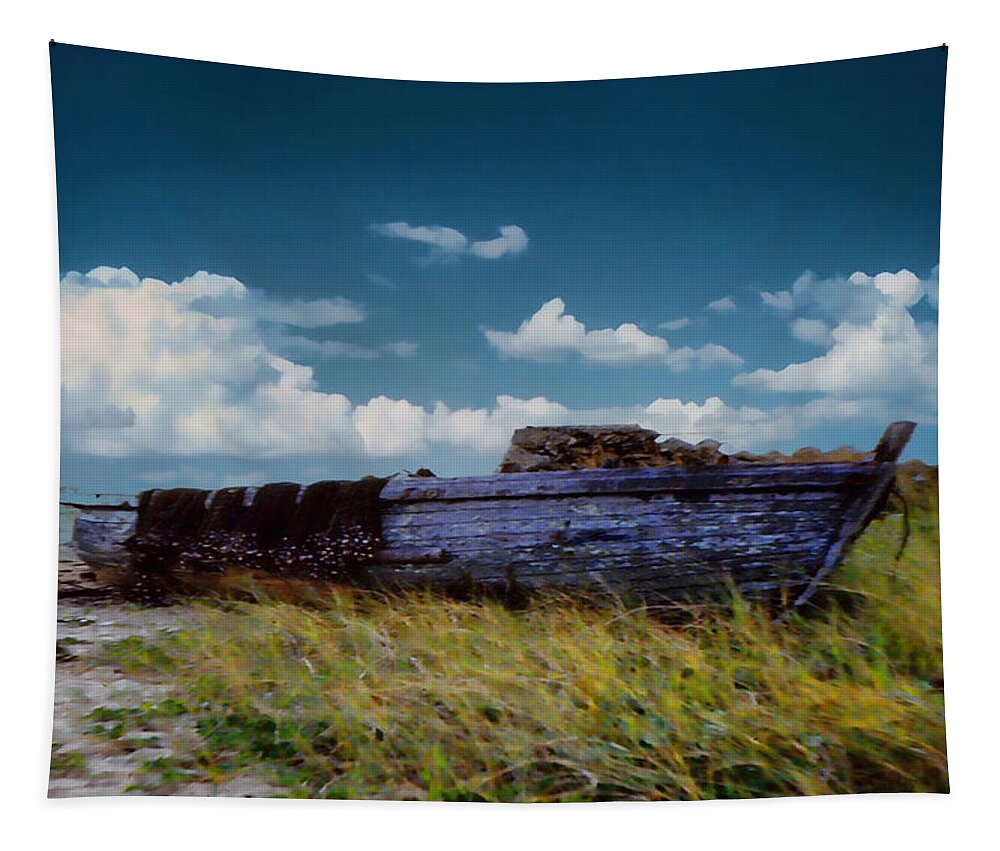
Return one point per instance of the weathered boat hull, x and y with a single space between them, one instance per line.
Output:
665 531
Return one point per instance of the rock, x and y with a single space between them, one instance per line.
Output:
546 448
675 444
518 460
680 453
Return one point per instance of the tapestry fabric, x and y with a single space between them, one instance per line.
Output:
534 442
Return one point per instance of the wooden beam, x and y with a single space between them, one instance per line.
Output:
894 440
635 481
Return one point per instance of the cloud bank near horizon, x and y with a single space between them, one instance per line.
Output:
188 369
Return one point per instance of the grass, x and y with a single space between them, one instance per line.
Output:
571 699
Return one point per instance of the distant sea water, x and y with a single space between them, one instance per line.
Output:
66 517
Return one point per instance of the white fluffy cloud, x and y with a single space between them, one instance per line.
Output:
319 313
183 368
448 244
104 276
875 349
144 371
391 427
814 331
446 239
396 427
857 298
675 324
221 296
551 334
512 240
890 357
902 288
290 343
723 305
781 300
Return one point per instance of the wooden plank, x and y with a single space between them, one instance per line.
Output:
470 526
633 576
694 550
555 530
535 533
681 562
413 555
613 503
474 522
399 515
716 547
649 480
654 566
894 440
476 570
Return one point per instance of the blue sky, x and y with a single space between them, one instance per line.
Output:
319 277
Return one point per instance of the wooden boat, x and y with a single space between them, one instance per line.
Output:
673 532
